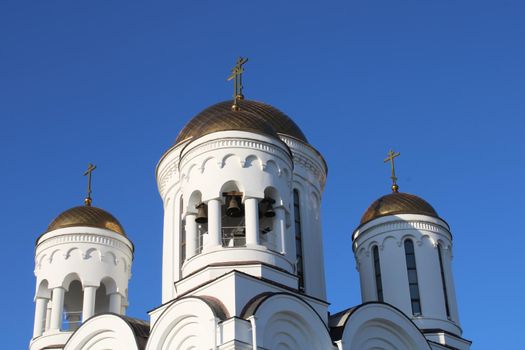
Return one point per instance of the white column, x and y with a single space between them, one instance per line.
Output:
191 235
124 305
214 223
115 303
251 208
48 316
88 304
279 228
40 316
57 308
168 251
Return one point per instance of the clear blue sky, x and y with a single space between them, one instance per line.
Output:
112 82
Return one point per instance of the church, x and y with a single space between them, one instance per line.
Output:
242 255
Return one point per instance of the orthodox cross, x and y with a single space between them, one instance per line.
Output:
390 158
87 173
236 76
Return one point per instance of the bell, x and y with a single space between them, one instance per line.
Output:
267 207
202 216
269 213
234 210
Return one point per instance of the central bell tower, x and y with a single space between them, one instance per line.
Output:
241 190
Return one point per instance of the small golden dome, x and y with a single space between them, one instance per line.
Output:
86 216
252 116
398 203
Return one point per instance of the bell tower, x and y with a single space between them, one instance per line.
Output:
82 268
403 251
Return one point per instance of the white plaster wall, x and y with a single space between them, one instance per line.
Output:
309 177
101 333
254 162
92 256
90 253
168 182
379 326
389 234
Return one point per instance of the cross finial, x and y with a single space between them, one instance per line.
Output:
390 158
236 76
87 173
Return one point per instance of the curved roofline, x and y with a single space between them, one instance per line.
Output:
251 307
126 319
216 306
360 306
265 116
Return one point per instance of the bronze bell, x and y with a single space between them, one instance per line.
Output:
234 210
202 216
267 207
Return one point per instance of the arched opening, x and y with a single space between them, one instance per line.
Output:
196 225
270 225
73 300
102 299
233 231
42 308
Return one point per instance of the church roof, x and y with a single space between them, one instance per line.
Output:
140 330
252 116
86 216
397 203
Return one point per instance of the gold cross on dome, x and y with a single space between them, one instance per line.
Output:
390 158
87 173
236 76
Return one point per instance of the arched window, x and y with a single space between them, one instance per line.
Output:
444 284
412 277
298 239
377 271
182 235
73 300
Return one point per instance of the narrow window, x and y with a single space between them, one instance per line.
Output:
182 236
377 270
443 280
412 277
298 240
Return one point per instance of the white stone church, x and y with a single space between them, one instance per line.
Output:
243 264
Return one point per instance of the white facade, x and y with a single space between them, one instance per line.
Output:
243 264
80 272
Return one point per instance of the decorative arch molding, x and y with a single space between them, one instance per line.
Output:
68 253
168 173
424 227
380 326
182 324
409 230
107 331
213 163
79 237
285 321
229 143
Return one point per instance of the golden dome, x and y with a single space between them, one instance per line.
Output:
398 203
253 116
86 216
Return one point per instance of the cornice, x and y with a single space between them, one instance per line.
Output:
235 143
308 158
84 238
398 226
